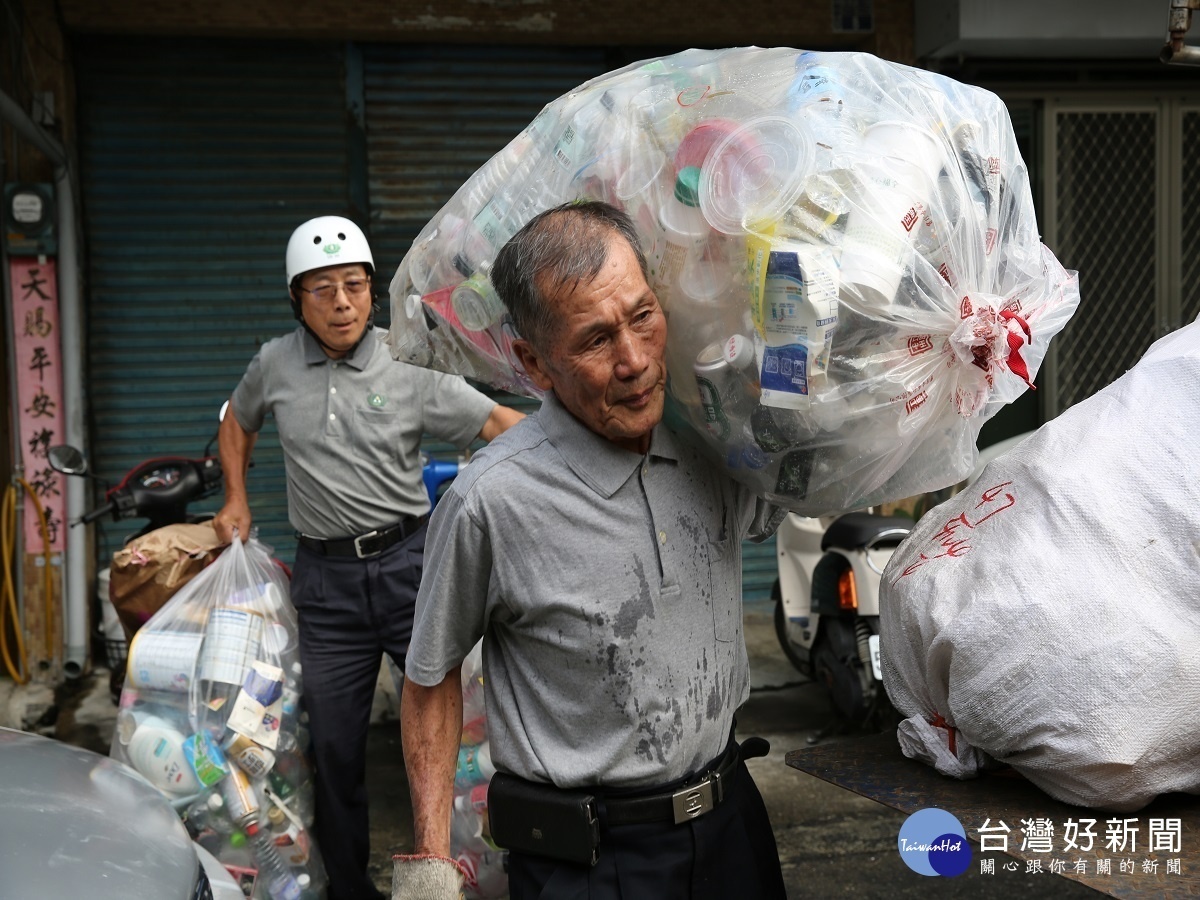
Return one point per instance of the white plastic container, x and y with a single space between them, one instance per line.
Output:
163 660
156 751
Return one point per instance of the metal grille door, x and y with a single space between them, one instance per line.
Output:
1103 207
1189 259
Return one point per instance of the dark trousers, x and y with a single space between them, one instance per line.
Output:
727 853
350 612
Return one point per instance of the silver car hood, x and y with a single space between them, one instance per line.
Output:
77 824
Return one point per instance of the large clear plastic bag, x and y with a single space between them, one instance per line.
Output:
845 247
484 865
211 715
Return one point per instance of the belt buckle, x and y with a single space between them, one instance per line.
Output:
358 547
693 800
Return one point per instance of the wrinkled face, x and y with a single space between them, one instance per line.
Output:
605 356
340 318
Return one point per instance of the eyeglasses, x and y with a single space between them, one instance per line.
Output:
325 293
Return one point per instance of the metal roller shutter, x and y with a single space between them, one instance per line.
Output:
199 158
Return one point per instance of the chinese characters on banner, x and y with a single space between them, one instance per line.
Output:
39 393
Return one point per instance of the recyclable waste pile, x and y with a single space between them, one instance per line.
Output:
484 865
845 248
210 714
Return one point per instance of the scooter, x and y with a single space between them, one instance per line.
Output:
827 610
160 490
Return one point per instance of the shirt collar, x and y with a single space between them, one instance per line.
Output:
597 461
315 355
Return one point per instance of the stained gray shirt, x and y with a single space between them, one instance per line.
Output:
607 587
351 429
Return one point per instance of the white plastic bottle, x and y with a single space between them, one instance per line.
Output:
156 751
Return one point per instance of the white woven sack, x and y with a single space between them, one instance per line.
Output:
1049 616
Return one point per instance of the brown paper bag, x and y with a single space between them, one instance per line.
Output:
151 568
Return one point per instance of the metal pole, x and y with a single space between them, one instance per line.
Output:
18 470
1179 19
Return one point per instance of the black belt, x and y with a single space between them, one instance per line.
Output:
365 545
694 798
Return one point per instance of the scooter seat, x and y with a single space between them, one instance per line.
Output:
855 530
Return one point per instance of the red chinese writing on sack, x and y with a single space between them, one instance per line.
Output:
953 539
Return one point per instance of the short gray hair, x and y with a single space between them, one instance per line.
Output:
558 249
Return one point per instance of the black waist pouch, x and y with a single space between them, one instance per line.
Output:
543 820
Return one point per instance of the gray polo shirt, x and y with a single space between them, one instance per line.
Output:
607 586
351 429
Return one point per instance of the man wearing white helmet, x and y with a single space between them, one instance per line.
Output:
350 422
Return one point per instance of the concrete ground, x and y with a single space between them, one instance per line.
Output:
832 843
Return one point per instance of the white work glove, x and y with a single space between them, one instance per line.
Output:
426 878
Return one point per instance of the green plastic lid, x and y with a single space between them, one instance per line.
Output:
687 186
237 839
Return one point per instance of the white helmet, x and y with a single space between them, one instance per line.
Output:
327 241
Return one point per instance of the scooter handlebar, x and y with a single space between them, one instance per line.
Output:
98 513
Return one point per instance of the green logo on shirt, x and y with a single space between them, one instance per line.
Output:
376 400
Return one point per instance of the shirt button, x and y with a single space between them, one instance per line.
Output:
332 417
645 471
333 390
662 537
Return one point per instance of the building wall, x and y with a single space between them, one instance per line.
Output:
804 24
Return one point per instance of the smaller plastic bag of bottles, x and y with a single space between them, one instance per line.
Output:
484 865
211 715
845 248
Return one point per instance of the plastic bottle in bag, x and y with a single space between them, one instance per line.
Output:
474 766
290 839
486 871
474 708
726 376
273 872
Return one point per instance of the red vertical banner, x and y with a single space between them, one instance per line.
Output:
39 392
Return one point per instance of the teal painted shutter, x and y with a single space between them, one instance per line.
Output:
198 159
435 115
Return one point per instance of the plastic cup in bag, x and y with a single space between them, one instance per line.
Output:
878 246
906 144
755 174
656 111
640 189
898 181
685 230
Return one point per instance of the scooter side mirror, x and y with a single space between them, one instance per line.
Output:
67 459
